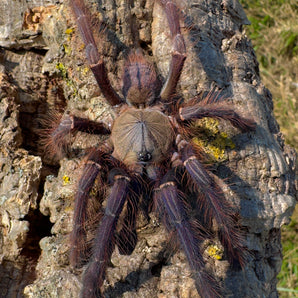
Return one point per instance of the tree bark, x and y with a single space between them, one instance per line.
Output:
42 68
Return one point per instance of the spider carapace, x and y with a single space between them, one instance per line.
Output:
149 142
142 137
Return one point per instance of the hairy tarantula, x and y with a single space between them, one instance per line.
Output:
149 144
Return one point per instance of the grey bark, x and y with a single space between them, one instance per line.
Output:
42 67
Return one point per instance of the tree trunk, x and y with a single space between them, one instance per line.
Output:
42 68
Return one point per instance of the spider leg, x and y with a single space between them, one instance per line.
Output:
86 125
127 236
97 64
60 128
90 172
170 203
214 204
104 242
179 50
214 110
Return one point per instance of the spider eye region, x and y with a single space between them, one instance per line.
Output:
144 156
141 136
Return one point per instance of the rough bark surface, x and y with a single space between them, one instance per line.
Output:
42 66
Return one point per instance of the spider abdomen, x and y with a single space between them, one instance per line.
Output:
140 81
142 135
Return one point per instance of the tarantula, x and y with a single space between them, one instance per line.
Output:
149 143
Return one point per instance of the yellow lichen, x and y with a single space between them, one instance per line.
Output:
85 70
66 180
62 69
211 139
67 49
69 30
215 252
69 82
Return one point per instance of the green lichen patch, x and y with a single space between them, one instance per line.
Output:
67 49
213 141
63 72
